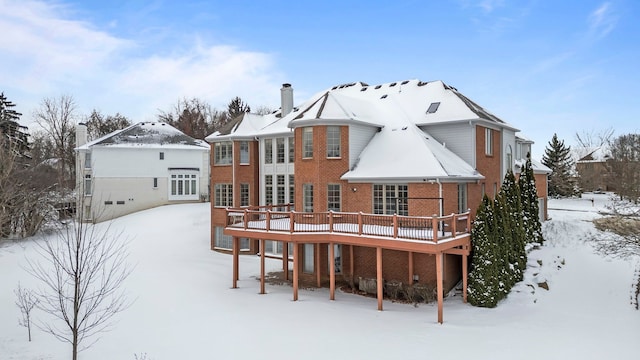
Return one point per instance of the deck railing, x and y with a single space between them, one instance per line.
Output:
428 228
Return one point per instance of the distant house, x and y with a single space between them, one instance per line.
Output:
142 166
592 169
362 183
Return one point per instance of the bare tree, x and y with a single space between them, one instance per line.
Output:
99 125
24 204
194 117
82 270
26 301
624 166
263 110
57 117
593 139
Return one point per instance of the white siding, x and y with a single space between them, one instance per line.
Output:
275 169
458 137
125 177
508 139
141 162
359 137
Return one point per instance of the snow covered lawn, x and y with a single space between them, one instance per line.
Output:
185 309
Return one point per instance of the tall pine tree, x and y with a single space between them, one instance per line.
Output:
483 287
517 256
557 157
503 243
12 135
529 199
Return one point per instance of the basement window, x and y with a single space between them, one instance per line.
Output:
433 107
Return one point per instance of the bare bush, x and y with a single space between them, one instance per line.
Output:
26 301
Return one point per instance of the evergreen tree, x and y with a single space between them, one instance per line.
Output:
557 157
529 199
237 107
518 256
12 135
483 283
503 244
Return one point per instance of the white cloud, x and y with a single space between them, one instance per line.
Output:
489 5
47 54
602 21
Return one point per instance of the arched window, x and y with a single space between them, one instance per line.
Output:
509 158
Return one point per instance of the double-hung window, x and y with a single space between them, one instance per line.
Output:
87 184
307 142
280 150
291 189
222 153
333 197
223 195
244 152
462 197
488 141
333 141
268 189
291 150
307 197
268 151
87 160
244 194
280 190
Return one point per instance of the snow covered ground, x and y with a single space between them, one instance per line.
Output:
185 309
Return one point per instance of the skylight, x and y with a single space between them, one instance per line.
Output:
433 107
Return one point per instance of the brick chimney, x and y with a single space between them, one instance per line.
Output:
286 99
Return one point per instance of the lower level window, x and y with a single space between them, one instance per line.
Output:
223 241
276 248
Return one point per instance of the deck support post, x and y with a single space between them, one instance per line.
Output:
465 276
296 255
316 259
440 290
352 266
410 266
236 252
262 266
379 276
285 259
332 272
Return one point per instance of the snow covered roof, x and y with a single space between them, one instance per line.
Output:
400 149
592 154
423 103
538 167
147 134
407 153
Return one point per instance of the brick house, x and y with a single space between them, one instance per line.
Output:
593 170
396 157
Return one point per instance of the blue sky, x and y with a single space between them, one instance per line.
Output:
544 66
